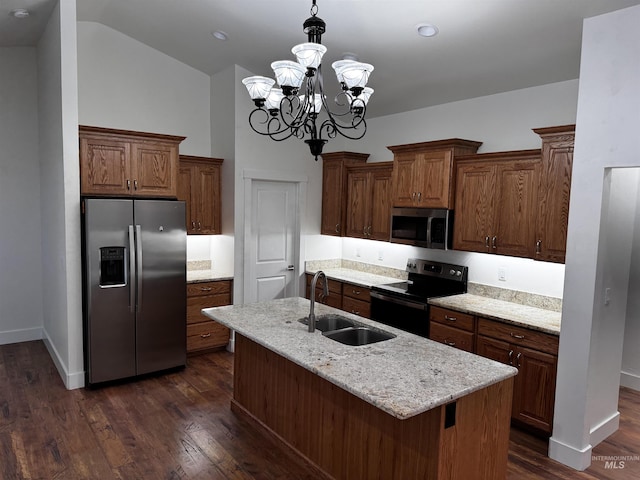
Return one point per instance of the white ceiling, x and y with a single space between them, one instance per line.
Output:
484 46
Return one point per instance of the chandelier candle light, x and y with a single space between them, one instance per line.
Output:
293 108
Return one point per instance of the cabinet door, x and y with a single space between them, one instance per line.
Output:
494 349
184 193
515 208
154 169
454 337
553 201
535 388
380 209
105 166
332 202
404 189
208 200
433 179
474 207
359 198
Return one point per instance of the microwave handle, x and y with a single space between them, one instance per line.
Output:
430 219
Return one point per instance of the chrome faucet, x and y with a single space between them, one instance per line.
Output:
325 293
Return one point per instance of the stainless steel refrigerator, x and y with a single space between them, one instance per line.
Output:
134 293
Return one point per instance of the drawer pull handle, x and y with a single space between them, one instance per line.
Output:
356 292
451 319
205 289
515 335
355 312
451 344
205 335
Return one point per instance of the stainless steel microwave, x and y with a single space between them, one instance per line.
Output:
422 227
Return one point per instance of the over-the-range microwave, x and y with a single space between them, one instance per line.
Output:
422 227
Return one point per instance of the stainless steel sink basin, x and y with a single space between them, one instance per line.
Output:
356 336
329 322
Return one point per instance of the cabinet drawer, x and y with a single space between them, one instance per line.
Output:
452 318
357 307
195 304
453 337
209 288
335 287
207 334
357 292
534 339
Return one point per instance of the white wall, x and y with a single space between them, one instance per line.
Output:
606 136
60 193
630 376
20 258
125 84
502 122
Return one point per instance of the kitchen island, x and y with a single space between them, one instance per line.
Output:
401 408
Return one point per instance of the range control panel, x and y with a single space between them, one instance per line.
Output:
437 269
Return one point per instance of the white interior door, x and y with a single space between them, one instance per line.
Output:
272 241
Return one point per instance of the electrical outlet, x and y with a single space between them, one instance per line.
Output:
502 274
358 252
380 255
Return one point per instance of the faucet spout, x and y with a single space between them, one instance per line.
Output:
325 294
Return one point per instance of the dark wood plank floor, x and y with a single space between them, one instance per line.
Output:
179 426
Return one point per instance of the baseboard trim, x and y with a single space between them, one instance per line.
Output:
630 380
578 459
71 380
19 336
604 429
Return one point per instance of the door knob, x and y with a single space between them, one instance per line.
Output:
291 267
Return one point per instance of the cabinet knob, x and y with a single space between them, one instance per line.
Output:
515 335
337 228
510 357
538 247
135 184
419 196
486 241
518 359
494 242
128 184
451 319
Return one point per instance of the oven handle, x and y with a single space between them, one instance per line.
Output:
406 303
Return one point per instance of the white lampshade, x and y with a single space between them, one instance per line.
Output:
309 55
355 74
288 73
258 87
273 99
362 99
337 66
316 107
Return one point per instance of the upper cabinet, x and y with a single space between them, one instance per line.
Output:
555 186
423 173
369 201
125 163
497 202
199 187
334 190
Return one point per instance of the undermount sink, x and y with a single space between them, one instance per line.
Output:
329 322
356 336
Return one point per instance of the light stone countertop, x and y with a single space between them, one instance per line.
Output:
198 276
356 277
403 376
534 318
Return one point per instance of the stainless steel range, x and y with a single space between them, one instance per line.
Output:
405 305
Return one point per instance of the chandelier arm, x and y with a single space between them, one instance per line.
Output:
278 133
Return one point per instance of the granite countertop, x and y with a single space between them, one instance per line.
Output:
534 318
356 277
199 276
404 376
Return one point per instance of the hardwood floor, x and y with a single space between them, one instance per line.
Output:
179 426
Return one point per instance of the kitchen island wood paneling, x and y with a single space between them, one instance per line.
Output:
402 408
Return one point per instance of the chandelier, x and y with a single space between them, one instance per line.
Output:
293 109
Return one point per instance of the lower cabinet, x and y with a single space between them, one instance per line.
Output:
345 296
203 333
533 353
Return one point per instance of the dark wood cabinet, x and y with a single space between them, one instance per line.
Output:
535 355
346 296
199 187
497 202
124 163
334 190
423 173
554 192
203 333
368 201
452 328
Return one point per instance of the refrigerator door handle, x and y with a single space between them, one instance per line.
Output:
139 267
132 271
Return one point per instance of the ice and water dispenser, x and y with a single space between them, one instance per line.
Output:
112 267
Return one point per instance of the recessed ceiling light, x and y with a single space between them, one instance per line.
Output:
427 30
20 13
220 35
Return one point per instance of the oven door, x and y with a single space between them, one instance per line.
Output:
403 313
